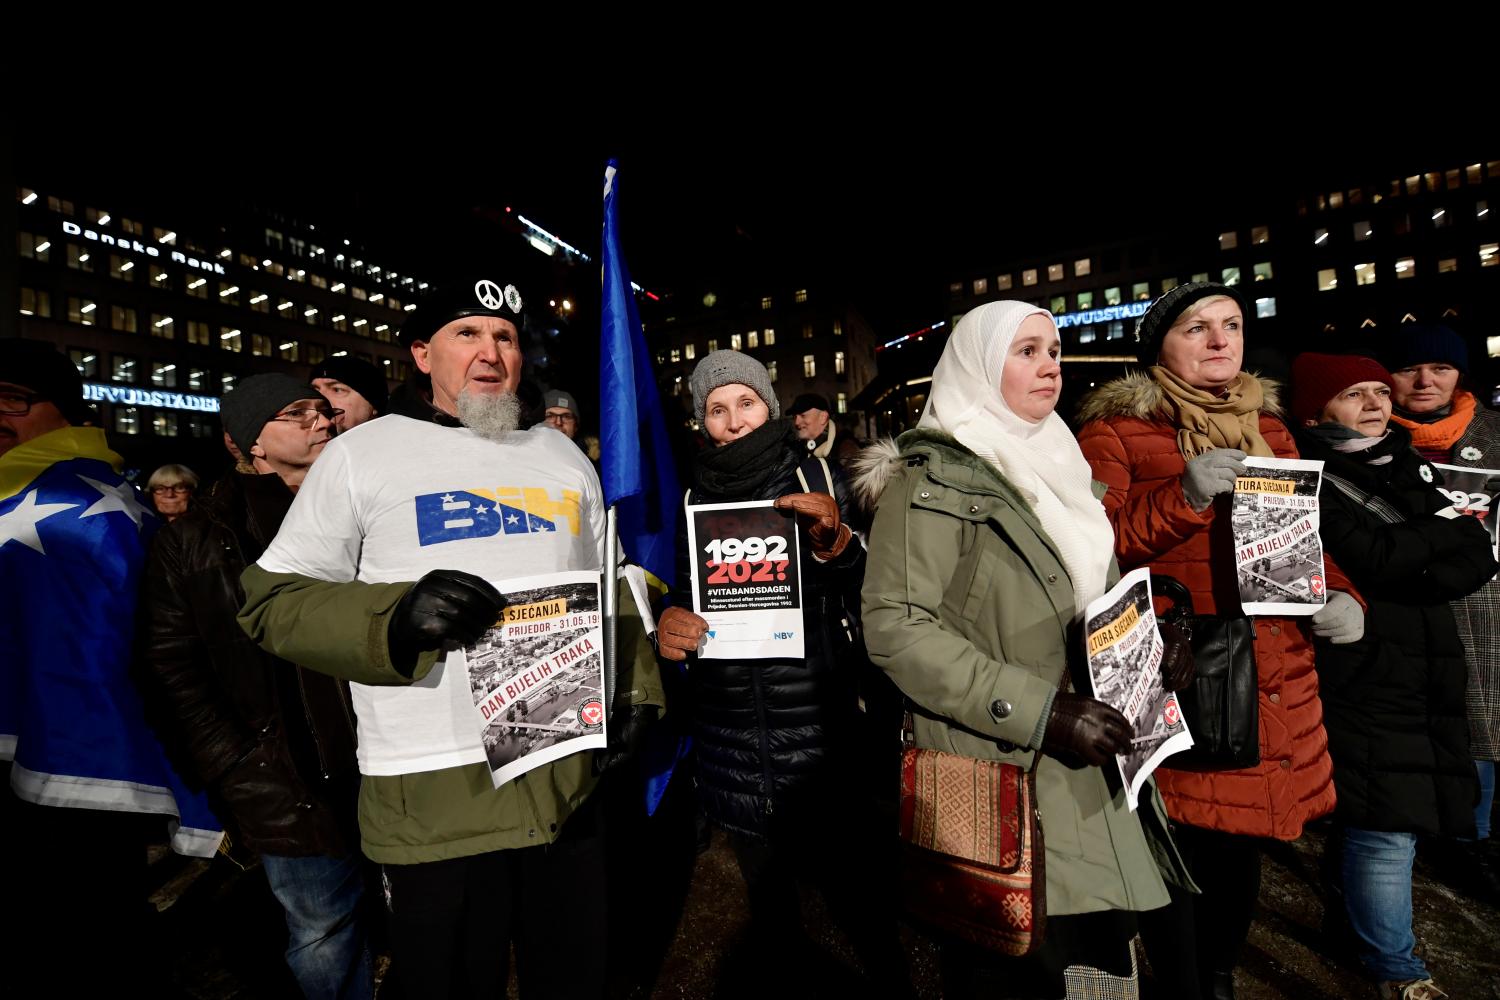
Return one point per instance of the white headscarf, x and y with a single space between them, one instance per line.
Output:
1042 460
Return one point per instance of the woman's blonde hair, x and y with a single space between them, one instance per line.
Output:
173 475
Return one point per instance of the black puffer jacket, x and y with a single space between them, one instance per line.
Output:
1393 703
274 744
769 733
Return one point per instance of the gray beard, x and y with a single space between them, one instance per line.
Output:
491 416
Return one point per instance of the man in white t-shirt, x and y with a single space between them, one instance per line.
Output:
447 492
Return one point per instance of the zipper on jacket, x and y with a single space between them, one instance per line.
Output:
312 727
765 748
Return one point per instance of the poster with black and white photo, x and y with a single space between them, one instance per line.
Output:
537 676
1124 657
1475 492
745 580
1278 553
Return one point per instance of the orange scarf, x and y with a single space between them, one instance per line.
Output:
1440 435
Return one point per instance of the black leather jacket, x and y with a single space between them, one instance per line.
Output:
273 743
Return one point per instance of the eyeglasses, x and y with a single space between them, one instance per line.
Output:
562 418
308 416
18 404
161 490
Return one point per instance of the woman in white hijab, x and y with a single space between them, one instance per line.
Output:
988 542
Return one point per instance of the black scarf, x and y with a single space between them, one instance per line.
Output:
1430 417
735 471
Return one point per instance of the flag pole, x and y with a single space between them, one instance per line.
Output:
610 598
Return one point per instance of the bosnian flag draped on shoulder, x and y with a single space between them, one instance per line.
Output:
639 479
73 536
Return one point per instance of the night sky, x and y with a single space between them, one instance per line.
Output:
889 206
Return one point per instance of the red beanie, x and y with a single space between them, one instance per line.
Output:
1317 378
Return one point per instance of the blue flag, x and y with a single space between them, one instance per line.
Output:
73 537
635 455
639 479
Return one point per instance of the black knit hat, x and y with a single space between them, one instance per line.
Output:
361 376
255 401
1158 319
1414 344
46 371
459 298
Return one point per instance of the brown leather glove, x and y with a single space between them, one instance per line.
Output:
1083 731
819 513
1176 658
678 633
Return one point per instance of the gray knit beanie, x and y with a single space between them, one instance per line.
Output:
728 368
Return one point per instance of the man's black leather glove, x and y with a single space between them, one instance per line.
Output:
627 731
1176 658
443 606
1084 731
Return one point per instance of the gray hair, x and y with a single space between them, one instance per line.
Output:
173 475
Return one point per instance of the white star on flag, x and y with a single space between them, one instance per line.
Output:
512 519
121 498
20 523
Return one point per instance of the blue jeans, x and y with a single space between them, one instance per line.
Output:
1486 769
327 948
1377 896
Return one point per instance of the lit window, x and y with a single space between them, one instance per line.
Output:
1260 234
1087 334
227 381
842 403
1406 267
1141 290
34 247
127 420
1200 277
734 342
122 268
340 322
1054 272
1472 171
36 302
1003 282
198 288
838 328
809 366
1481 210
310 316
82 311
359 293
690 351
675 356
1028 276
838 363
165 236
1492 346
232 340
86 361
752 339
1115 330
771 370
1082 267
1440 218
1328 279
1230 275
1336 199
768 339
1364 274
200 333
122 368
275 240
289 350
1363 231
1229 240
1265 308
1320 237
80 259
1447 265
807 331
197 378
1059 304
1167 284
163 373
955 288
122 318
1112 296
25 196
713 344
981 286
1489 254
1085 300
164 424
799 296
765 301
260 345
284 307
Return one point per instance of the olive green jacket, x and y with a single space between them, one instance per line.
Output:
340 629
968 607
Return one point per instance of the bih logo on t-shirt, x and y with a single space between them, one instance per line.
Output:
480 513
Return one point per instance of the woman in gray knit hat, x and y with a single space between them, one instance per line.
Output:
771 735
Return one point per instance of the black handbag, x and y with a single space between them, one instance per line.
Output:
1222 705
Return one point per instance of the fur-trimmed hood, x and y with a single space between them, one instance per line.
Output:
874 467
1141 396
